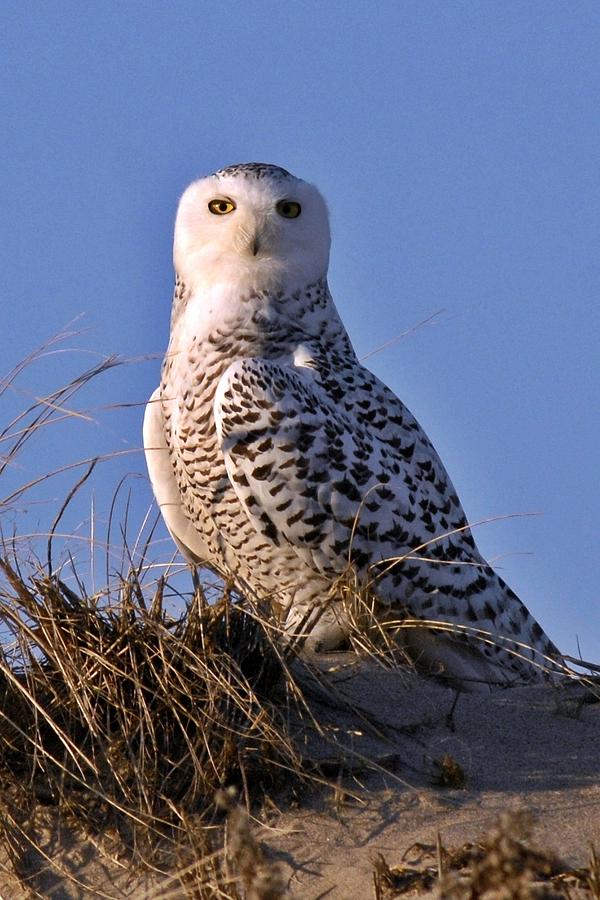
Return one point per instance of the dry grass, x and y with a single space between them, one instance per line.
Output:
129 725
503 865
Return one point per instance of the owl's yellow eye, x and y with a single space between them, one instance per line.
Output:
289 209
220 206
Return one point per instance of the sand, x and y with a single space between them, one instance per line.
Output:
534 748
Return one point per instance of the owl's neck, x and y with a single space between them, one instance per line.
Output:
285 315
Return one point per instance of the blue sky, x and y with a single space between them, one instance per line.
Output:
458 146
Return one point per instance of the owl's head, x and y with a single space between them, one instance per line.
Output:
254 226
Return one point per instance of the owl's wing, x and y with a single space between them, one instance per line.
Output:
165 487
340 490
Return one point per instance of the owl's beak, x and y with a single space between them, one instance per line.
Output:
250 237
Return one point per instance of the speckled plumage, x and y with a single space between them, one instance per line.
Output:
278 459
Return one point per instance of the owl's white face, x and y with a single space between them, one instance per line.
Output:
251 232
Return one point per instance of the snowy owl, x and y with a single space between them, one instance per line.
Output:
281 462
